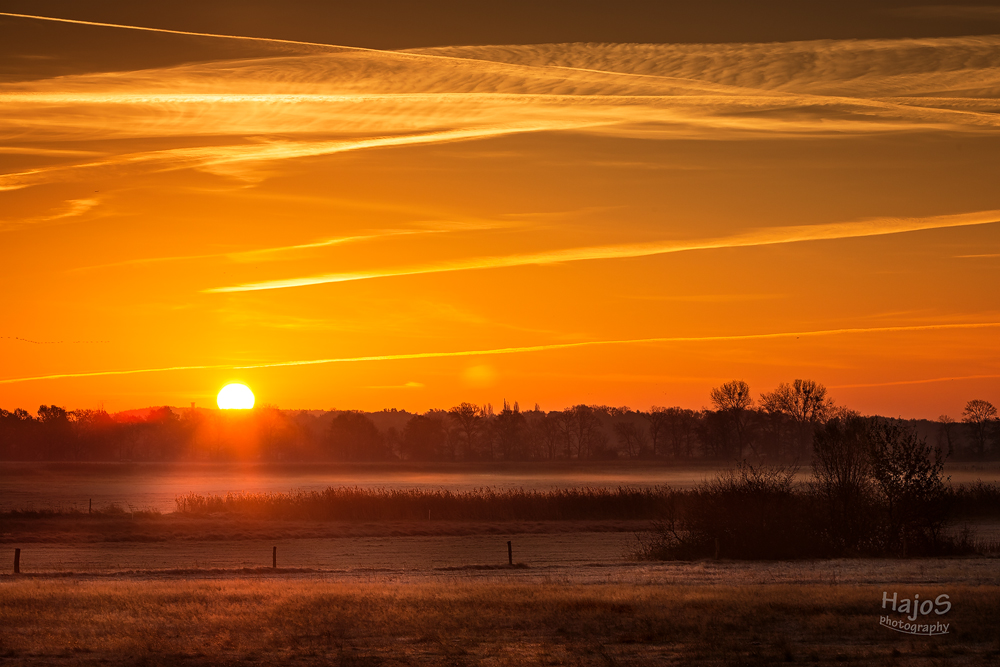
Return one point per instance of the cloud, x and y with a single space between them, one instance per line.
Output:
909 382
70 209
237 116
30 150
274 253
529 349
236 160
762 237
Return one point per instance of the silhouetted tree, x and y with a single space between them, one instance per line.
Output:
424 438
354 437
947 429
907 473
582 426
979 415
468 418
843 473
508 430
805 404
96 433
549 433
657 418
733 399
629 431
55 431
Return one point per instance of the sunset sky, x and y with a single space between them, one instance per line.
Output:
416 204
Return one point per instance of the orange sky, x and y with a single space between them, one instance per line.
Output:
624 224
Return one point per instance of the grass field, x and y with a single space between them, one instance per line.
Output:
272 621
367 578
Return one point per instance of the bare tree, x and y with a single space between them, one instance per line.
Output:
734 400
805 403
468 417
803 400
583 428
508 430
550 433
947 426
631 438
659 423
979 415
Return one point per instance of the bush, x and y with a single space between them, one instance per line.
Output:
749 512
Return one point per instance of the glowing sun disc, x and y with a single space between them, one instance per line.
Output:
235 397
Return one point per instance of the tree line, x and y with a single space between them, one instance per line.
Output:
776 426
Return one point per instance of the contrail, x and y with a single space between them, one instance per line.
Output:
219 156
526 349
128 372
767 236
180 32
904 382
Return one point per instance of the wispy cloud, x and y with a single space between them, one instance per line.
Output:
276 252
232 160
762 237
530 349
31 150
70 209
305 104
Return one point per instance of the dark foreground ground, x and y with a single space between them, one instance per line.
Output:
706 613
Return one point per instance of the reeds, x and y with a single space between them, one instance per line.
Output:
484 504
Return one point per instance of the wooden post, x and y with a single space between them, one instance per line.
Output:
274 558
510 554
17 561
90 506
717 548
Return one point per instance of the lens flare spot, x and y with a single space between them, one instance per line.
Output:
480 376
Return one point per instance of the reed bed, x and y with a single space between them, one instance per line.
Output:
491 504
484 504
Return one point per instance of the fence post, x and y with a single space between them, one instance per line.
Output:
90 506
274 558
510 554
17 561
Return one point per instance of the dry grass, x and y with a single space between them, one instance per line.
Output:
490 622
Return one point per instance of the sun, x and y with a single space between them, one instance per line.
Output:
235 397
